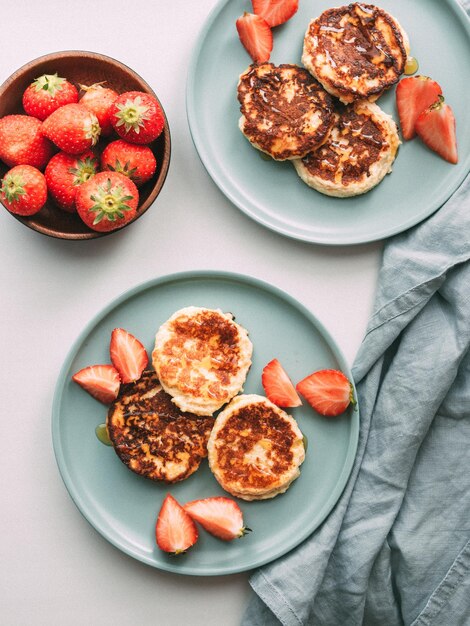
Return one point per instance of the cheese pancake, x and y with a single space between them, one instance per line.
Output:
285 112
255 448
202 358
358 154
355 51
152 436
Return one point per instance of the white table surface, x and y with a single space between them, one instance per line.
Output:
55 568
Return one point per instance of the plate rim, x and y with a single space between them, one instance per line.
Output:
293 233
75 494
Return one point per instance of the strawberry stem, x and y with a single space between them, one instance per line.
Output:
110 202
13 187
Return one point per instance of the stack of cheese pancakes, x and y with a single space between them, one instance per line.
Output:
324 118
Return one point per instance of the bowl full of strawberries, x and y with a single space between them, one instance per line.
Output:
84 145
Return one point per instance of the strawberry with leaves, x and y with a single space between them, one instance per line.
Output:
65 173
48 93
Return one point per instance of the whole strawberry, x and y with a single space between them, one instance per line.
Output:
65 173
46 94
22 142
137 162
98 100
24 190
137 117
107 201
73 128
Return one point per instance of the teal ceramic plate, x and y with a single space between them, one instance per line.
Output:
272 193
123 506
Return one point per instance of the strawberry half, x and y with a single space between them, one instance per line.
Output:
128 355
275 12
413 96
175 530
329 392
436 127
278 387
256 36
101 381
220 516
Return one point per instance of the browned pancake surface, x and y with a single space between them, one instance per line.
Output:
287 112
362 44
152 436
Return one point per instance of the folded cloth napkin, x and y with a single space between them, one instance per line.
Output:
396 548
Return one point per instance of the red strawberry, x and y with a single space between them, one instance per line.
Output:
256 36
220 516
413 95
98 100
436 127
73 128
24 190
137 117
175 531
128 355
275 12
101 381
22 142
65 173
107 201
48 93
137 162
278 386
329 392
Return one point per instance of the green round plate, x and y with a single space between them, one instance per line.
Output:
123 506
271 192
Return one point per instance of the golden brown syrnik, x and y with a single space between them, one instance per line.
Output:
359 152
285 112
202 358
255 448
152 436
355 51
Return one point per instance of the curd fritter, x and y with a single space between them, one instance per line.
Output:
285 112
359 152
152 436
202 358
355 51
255 448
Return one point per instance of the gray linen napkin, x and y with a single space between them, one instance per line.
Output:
396 548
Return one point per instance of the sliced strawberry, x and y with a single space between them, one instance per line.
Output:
128 355
275 12
175 530
436 127
256 36
328 391
414 95
220 516
101 381
278 387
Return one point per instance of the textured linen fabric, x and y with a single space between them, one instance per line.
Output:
395 550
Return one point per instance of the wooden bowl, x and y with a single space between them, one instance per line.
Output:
84 68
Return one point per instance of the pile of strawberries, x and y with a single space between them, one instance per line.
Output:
59 134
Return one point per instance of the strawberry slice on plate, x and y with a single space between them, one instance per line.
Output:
436 127
220 516
101 381
278 387
275 12
128 355
256 36
413 96
329 392
175 530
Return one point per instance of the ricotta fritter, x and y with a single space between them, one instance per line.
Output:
285 112
152 436
255 448
202 358
355 51
358 154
